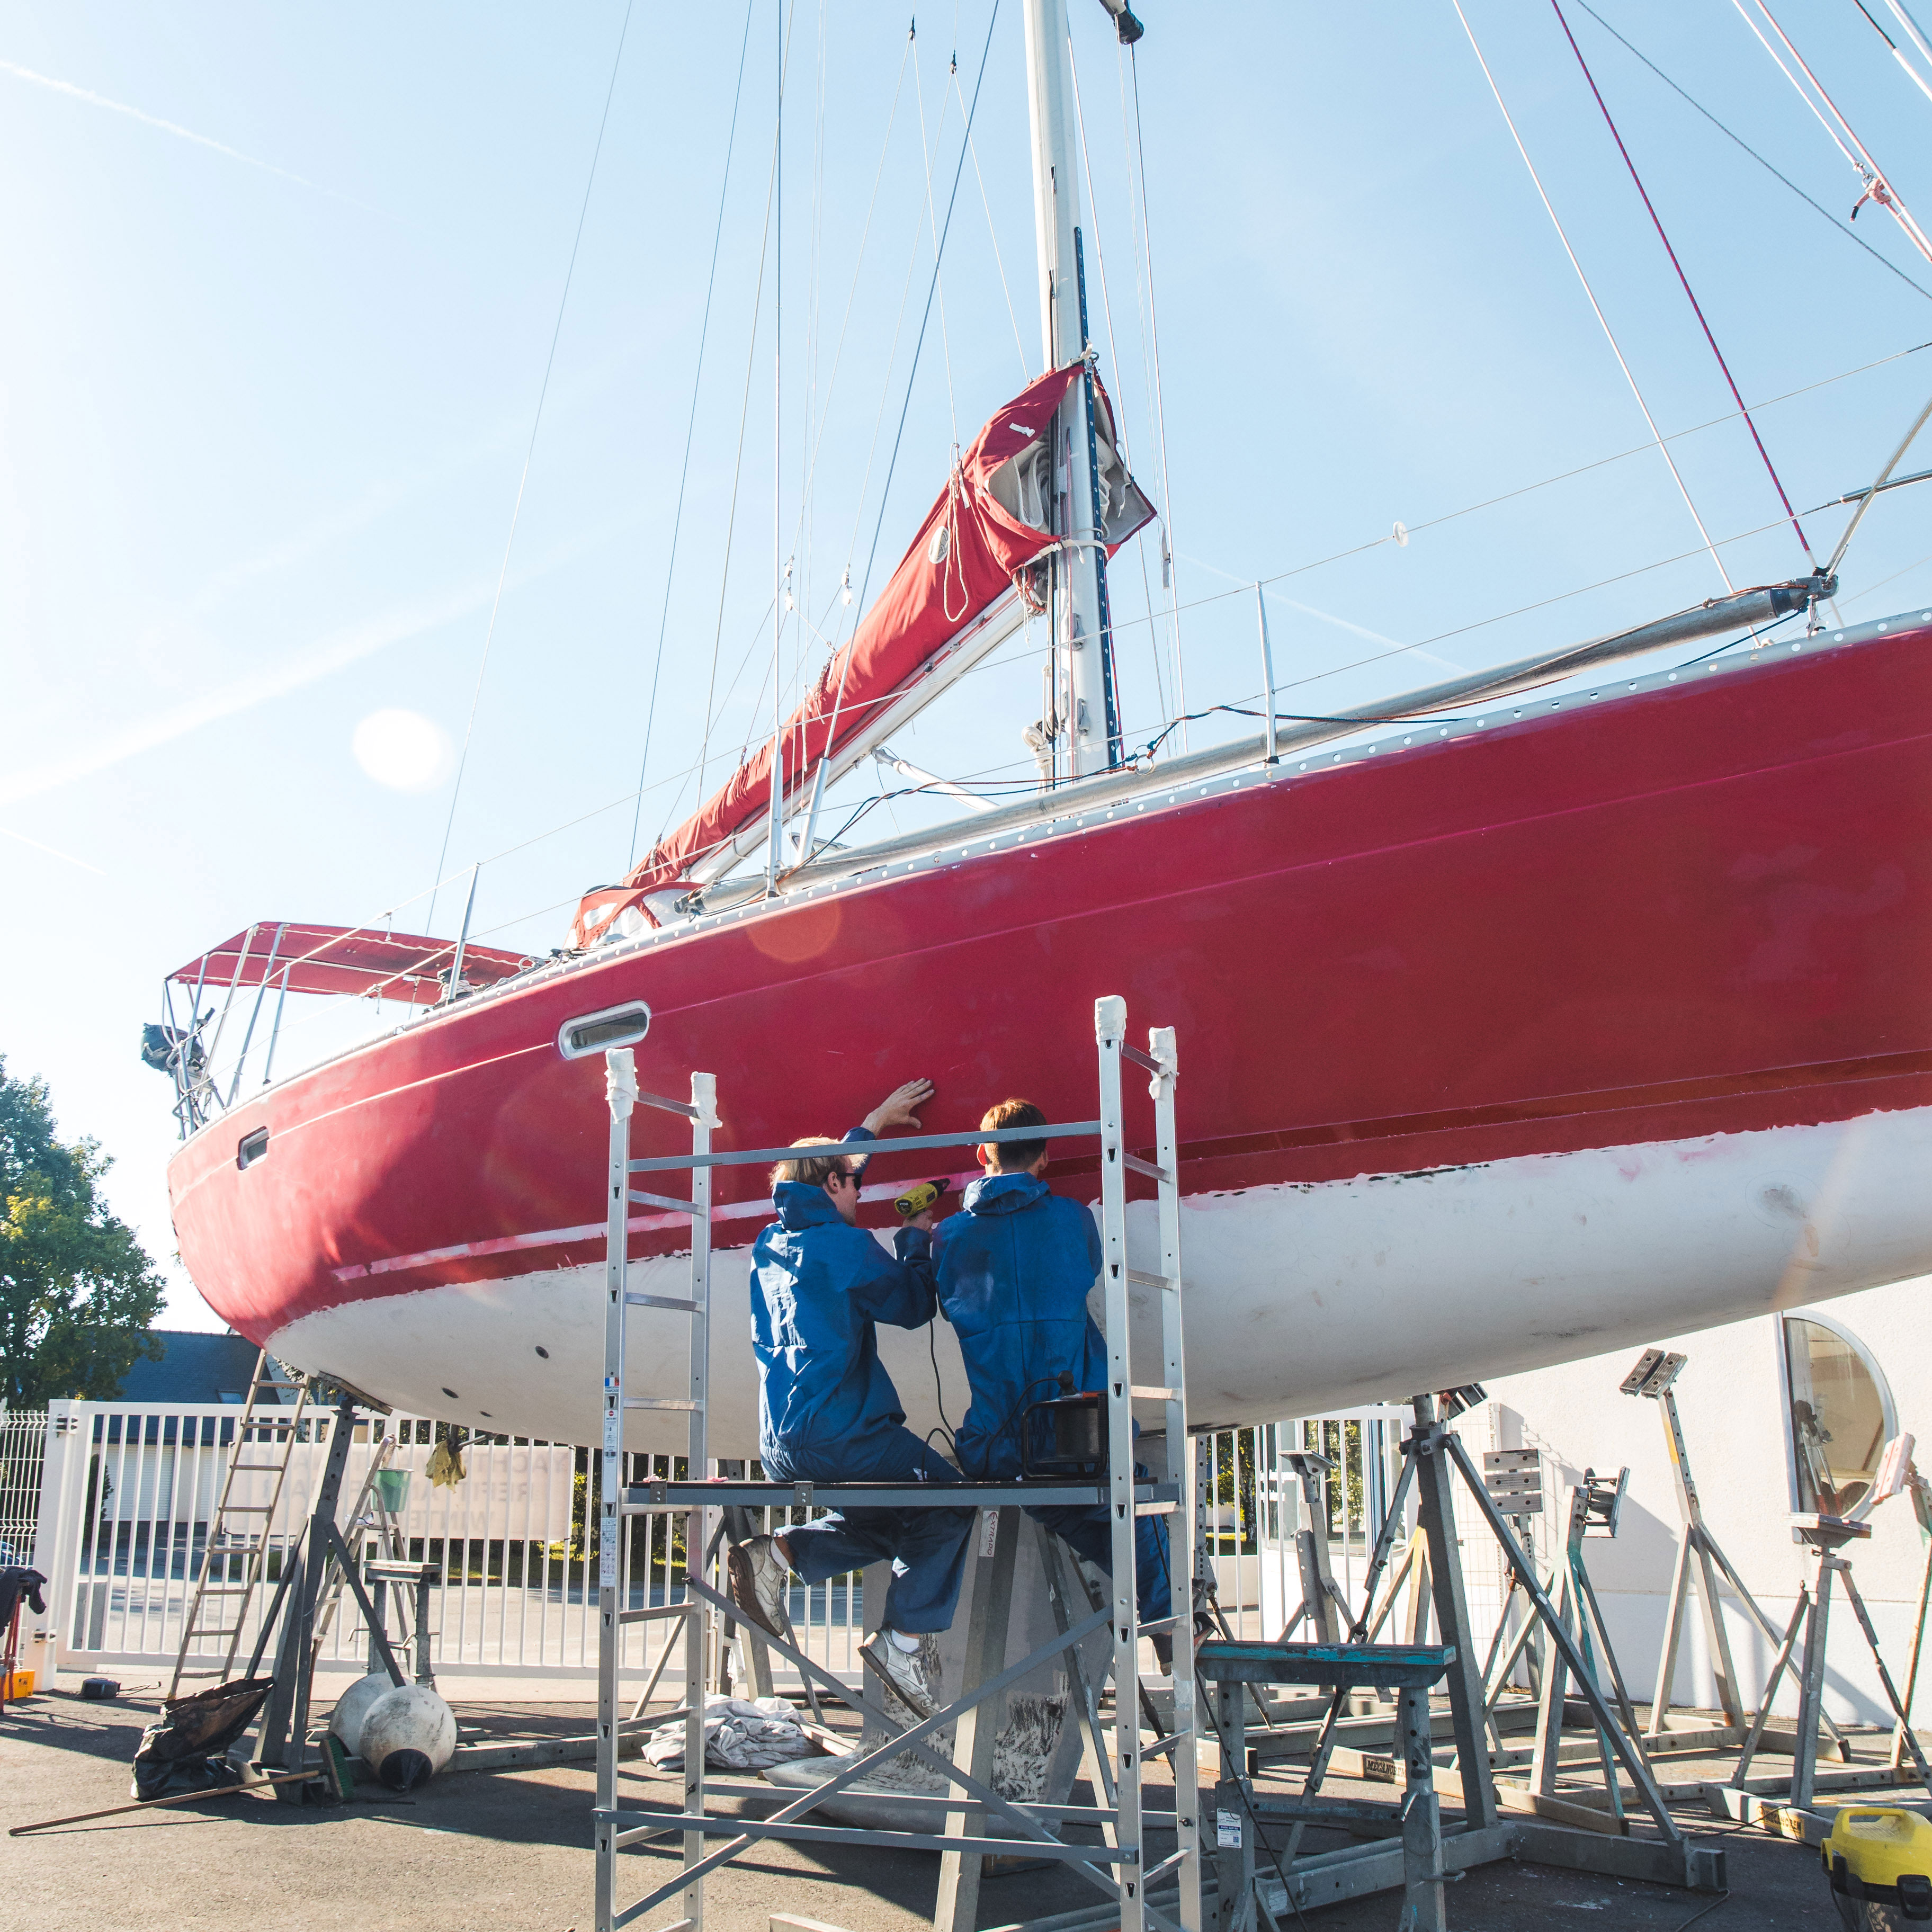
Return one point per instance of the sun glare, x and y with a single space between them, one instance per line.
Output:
403 750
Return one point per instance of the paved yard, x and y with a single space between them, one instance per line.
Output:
509 1851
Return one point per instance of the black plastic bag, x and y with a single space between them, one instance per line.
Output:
188 1749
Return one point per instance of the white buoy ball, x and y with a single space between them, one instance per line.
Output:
352 1709
407 1735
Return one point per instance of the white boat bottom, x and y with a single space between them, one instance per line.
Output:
1300 1299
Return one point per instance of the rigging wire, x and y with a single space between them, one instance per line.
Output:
691 427
737 473
1912 74
1697 307
899 438
928 151
1844 228
993 235
1562 235
550 362
1113 349
1170 582
1877 186
783 14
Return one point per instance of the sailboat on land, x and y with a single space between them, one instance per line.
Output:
1520 1018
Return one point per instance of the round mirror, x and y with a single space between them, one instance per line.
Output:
1838 1416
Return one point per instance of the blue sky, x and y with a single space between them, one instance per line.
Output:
282 286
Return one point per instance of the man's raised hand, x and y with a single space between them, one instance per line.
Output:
897 1109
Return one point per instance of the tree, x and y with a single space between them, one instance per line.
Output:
77 1292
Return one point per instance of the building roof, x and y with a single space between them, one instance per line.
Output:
196 1367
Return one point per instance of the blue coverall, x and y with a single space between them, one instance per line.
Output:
827 1410
1014 1268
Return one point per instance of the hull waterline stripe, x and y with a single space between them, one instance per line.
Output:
1886 1066
560 1238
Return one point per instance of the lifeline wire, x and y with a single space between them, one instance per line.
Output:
550 362
690 429
1697 307
1602 320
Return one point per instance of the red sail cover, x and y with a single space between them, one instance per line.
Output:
963 557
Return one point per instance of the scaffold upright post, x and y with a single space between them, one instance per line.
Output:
698 1624
1110 1021
1184 1760
620 1088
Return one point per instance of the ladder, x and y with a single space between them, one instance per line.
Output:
234 1559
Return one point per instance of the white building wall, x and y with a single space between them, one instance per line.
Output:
1728 1400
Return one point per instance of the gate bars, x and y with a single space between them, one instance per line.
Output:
1119 1868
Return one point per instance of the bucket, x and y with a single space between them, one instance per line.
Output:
392 1489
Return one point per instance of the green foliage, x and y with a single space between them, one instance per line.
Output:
77 1294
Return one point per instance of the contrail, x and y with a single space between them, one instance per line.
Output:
52 851
334 653
93 100
345 648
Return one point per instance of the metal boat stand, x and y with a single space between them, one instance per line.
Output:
1700 1560
1279 1882
1121 1867
304 1598
1796 1816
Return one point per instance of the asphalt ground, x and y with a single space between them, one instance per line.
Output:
509 1852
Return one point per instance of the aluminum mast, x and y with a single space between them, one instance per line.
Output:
1085 707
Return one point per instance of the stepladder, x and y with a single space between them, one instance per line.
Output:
234 1564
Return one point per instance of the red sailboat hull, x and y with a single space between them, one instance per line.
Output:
1431 1004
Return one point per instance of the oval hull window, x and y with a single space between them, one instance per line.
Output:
613 1026
252 1148
1839 1415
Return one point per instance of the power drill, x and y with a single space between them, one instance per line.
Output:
921 1195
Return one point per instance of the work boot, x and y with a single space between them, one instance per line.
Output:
913 1676
761 1582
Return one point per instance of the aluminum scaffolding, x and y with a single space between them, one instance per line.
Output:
1120 1867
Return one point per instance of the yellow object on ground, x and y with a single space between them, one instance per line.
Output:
1880 1861
20 1684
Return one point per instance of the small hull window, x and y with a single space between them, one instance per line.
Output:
593 1033
252 1147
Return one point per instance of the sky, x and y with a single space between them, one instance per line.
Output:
358 365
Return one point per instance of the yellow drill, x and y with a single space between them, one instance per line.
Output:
922 1194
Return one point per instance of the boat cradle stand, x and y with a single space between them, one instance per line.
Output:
1427 1853
1120 1866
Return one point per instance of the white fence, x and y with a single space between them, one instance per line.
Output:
23 1434
128 1492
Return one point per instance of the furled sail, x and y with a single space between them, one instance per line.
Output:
990 521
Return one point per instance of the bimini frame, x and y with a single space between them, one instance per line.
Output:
1121 1867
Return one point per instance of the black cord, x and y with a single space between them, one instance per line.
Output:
1702 1909
945 1428
1205 1696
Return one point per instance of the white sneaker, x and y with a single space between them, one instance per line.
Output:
761 1582
912 1674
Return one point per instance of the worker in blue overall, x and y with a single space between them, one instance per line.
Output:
1014 1266
828 1412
